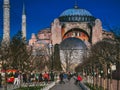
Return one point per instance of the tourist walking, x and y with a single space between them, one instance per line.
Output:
46 77
52 76
69 76
79 78
61 76
40 77
24 78
16 79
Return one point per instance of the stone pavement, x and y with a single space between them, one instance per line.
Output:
69 85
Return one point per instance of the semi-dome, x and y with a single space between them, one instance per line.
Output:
72 43
45 30
76 14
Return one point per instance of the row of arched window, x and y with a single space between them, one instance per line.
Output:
77 18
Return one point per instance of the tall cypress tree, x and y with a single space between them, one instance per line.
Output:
56 59
19 53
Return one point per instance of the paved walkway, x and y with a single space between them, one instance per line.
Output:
69 85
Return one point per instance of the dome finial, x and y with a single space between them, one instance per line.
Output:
76 4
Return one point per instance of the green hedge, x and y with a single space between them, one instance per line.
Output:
31 88
94 87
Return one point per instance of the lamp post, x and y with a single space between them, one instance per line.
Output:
101 77
112 68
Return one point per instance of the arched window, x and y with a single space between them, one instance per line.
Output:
85 18
76 18
76 33
69 18
82 18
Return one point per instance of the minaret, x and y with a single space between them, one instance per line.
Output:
6 21
24 23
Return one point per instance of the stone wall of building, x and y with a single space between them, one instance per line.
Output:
56 32
81 25
106 34
97 31
32 40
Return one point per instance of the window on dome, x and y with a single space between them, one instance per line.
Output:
76 18
72 18
88 18
69 18
82 18
85 18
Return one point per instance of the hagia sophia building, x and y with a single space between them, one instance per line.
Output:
75 30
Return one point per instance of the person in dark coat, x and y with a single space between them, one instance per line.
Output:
61 76
52 76
0 80
69 76
24 78
40 77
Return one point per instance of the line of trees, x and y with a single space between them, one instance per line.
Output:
103 56
18 55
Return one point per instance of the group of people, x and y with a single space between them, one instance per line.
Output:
37 77
29 77
45 77
67 76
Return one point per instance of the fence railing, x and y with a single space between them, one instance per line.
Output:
108 84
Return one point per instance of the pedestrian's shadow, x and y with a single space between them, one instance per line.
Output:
61 82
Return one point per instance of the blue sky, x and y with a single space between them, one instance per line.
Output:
40 13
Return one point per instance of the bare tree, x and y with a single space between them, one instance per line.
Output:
41 58
71 58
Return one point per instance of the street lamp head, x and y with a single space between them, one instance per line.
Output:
50 45
113 67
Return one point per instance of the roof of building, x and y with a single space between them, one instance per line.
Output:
76 14
46 30
76 11
72 43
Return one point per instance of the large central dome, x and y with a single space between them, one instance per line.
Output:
76 15
81 12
